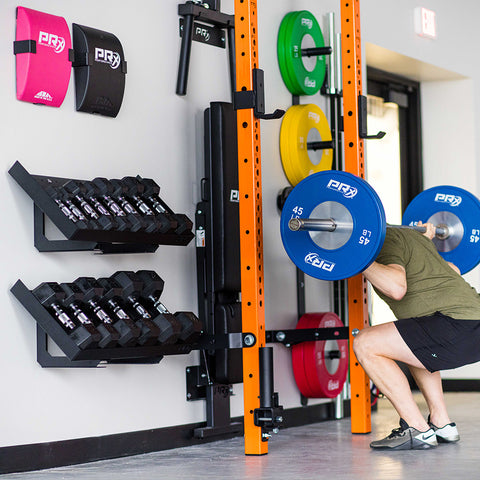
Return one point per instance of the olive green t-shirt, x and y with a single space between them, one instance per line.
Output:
432 285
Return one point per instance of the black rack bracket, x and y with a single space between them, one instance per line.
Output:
362 121
209 34
255 98
210 30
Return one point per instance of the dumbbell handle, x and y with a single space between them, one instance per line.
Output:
329 225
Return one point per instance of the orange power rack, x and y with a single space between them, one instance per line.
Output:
354 163
251 222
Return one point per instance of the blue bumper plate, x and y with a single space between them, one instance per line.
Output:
363 214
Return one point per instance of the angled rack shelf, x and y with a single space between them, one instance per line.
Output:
82 236
47 326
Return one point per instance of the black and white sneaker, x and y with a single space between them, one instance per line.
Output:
446 434
407 438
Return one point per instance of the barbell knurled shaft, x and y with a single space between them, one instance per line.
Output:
439 231
329 225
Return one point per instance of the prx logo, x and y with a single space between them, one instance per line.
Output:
107 56
346 190
234 196
307 22
202 32
452 200
51 40
314 116
314 260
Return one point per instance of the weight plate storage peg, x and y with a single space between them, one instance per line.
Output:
296 126
320 368
294 28
360 225
458 211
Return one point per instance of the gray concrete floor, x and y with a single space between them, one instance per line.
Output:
322 450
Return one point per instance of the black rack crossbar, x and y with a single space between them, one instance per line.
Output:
299 335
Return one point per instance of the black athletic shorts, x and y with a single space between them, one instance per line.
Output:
441 342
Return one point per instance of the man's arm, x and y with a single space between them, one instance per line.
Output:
391 279
454 267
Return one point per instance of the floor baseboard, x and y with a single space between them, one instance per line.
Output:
40 456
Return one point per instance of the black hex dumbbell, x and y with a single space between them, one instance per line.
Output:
106 191
134 190
130 331
151 223
151 192
133 287
151 291
192 327
50 295
188 326
76 190
93 196
92 293
73 302
56 197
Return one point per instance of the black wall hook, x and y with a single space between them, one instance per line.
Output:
362 121
255 98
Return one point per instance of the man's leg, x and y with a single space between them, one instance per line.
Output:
377 348
430 385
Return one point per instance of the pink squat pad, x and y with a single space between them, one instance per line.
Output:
42 49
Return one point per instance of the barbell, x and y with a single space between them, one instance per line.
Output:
333 224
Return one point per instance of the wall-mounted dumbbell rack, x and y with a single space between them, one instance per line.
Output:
81 236
355 163
75 356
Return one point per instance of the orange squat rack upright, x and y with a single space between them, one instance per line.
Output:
251 225
354 163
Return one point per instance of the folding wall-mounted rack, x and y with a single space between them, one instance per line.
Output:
81 235
47 326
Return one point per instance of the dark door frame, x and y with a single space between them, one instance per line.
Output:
406 94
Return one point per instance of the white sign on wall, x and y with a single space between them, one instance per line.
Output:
425 22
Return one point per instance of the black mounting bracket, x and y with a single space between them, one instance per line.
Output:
255 98
47 360
44 244
209 31
24 46
362 120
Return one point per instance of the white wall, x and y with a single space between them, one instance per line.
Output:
159 135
